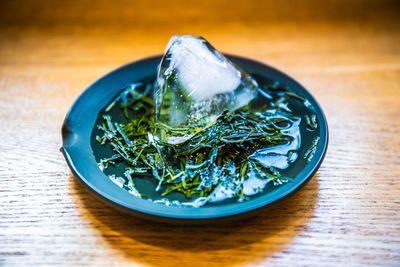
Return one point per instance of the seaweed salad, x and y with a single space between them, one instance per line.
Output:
202 149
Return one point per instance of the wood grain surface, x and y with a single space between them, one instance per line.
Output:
347 53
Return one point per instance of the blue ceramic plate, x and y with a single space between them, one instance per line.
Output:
82 152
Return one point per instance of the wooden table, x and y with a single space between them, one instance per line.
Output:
347 53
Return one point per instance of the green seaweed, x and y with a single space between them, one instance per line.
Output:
217 155
311 151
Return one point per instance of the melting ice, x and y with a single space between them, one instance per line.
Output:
196 83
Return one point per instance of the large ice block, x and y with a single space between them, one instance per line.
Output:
196 83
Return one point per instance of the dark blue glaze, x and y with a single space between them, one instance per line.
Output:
80 155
